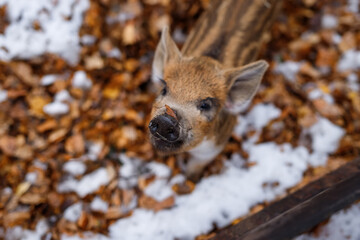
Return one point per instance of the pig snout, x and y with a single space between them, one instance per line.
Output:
165 127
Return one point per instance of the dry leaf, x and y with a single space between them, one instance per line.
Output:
170 112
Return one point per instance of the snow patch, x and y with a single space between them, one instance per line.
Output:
288 69
353 82
17 233
329 21
325 136
99 205
342 225
62 96
31 177
75 168
80 80
59 23
257 118
88 184
353 5
88 40
3 95
317 93
56 108
350 60
73 212
48 79
129 171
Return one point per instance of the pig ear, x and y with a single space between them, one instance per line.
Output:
166 51
243 83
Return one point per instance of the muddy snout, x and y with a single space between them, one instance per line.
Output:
165 127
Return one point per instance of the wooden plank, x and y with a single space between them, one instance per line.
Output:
301 210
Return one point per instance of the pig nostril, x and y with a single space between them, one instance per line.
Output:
153 127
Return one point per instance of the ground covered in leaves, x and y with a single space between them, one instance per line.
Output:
75 159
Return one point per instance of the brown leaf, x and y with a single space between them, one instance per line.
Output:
170 112
150 203
24 152
326 57
114 212
83 220
47 125
309 70
32 198
25 73
37 104
16 218
348 42
75 144
326 109
8 145
184 188
57 135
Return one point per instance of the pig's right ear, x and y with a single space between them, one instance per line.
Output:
166 51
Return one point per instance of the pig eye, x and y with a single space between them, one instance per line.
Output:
164 91
205 105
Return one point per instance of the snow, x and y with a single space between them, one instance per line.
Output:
353 82
3 95
56 108
74 167
329 21
59 25
73 212
94 149
99 205
114 53
288 69
62 96
88 40
48 79
342 225
160 170
336 38
318 93
31 177
17 233
325 136
222 198
129 171
80 80
257 118
159 190
350 60
88 184
179 36
353 5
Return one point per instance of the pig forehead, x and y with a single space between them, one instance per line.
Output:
193 81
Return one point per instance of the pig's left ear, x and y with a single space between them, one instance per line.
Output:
166 51
243 83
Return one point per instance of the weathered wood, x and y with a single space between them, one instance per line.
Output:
302 210
231 31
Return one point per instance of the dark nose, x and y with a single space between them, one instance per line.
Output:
165 127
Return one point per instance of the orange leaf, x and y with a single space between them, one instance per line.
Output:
170 112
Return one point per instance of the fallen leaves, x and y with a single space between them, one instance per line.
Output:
150 203
113 111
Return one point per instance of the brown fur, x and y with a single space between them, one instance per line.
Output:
227 36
